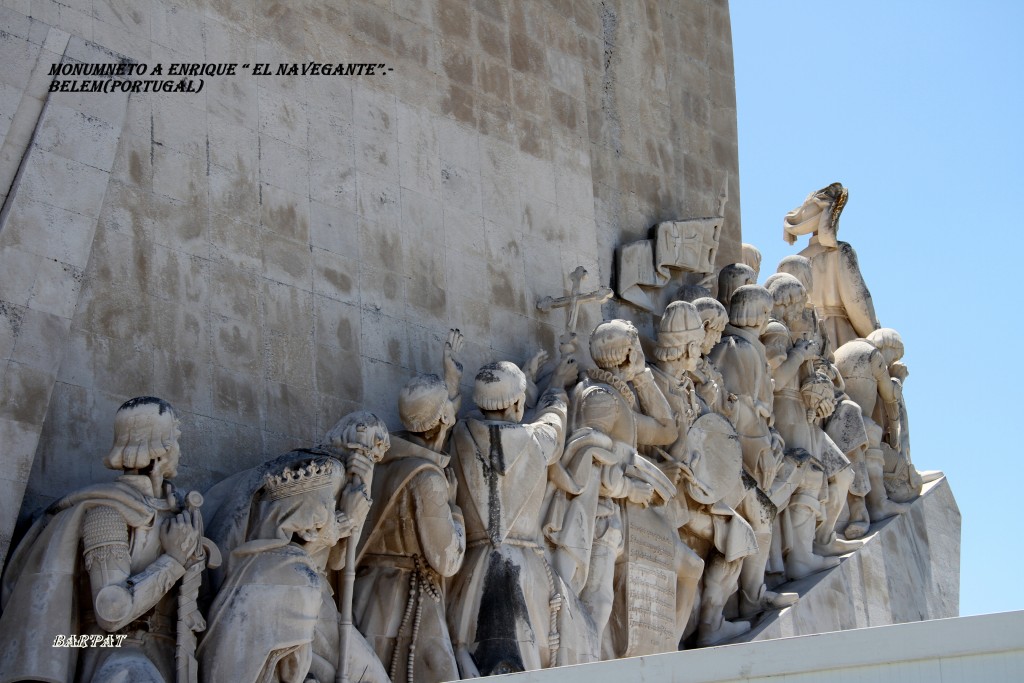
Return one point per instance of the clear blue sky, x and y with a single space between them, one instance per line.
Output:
918 108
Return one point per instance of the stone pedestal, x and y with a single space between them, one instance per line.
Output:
909 570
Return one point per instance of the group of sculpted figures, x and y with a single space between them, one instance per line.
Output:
655 499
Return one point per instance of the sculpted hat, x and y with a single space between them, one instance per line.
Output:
680 324
421 402
498 385
611 342
806 219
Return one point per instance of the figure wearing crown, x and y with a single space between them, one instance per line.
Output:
287 526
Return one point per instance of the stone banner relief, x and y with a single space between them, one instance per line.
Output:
616 495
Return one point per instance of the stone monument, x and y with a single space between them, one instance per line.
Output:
274 218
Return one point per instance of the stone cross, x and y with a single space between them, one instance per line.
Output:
575 299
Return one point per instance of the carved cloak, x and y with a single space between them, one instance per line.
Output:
39 587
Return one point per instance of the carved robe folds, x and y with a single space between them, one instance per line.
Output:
500 608
46 570
412 541
840 294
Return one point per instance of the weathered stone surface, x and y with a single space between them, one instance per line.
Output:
909 570
382 193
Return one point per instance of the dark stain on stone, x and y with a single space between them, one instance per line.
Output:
341 281
344 332
460 104
502 608
234 343
503 292
285 220
135 168
13 315
395 351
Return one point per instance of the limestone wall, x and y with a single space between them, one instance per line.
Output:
277 251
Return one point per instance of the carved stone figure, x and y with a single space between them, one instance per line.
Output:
844 426
414 537
751 257
708 459
263 622
105 561
244 521
731 278
503 608
868 383
840 294
631 544
707 380
902 480
742 360
804 397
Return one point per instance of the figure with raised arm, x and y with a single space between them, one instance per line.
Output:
504 604
414 538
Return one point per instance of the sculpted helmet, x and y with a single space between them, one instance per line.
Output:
680 325
888 340
691 292
711 312
360 428
785 289
732 277
751 256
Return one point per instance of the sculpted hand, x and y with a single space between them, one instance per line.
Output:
637 363
640 492
805 348
532 366
826 407
729 408
778 444
179 538
452 347
453 485
355 504
567 372
360 464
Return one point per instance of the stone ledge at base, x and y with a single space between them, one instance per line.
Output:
963 650
909 570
